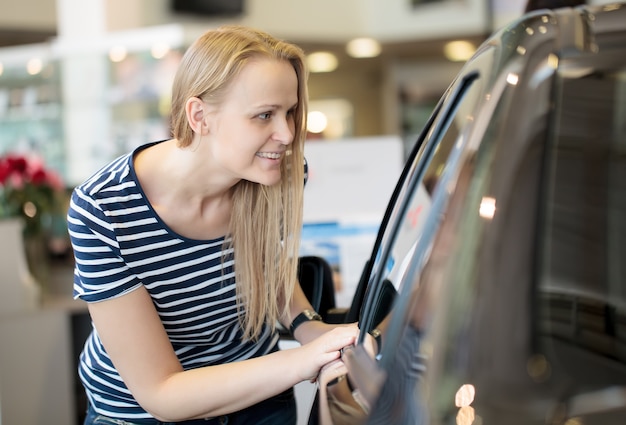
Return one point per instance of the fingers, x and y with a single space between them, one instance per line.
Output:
321 358
332 372
341 337
328 347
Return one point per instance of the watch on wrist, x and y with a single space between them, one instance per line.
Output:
306 316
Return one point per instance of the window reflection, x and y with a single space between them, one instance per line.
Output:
582 323
509 286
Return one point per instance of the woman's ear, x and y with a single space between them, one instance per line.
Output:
195 110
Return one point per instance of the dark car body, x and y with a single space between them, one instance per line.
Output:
499 274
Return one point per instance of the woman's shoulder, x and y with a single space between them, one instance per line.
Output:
116 175
113 173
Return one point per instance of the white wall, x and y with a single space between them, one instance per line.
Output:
397 20
321 20
299 20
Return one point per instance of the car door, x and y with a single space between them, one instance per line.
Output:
474 235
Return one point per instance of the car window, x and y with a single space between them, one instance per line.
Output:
581 322
413 221
527 272
478 233
408 224
516 270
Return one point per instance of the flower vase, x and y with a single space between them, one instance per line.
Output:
19 289
37 259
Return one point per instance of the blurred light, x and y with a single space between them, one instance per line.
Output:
543 29
512 78
29 209
521 50
574 421
530 31
610 7
322 62
34 66
538 368
316 122
159 50
1 68
487 207
459 51
577 73
464 395
553 61
465 416
117 53
363 47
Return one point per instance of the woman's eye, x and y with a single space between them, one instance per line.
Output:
265 115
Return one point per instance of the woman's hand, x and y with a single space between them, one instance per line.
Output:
325 349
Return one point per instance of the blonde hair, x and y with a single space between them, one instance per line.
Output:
266 221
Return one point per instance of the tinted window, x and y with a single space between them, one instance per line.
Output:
414 220
582 290
526 275
415 215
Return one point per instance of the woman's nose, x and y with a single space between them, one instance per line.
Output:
284 132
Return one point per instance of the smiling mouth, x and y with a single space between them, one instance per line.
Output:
268 155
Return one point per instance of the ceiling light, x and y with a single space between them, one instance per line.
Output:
117 53
322 62
459 51
34 66
363 47
316 121
159 50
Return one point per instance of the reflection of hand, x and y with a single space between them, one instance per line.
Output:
337 405
331 373
324 350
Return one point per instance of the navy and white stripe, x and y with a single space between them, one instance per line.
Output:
121 244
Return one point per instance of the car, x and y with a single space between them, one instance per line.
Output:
496 288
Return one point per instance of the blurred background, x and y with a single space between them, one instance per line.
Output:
81 82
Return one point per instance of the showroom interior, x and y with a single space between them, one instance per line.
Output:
83 81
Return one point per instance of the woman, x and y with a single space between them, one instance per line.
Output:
180 333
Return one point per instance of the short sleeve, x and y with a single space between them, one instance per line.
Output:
100 272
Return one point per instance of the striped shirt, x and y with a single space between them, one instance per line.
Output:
120 244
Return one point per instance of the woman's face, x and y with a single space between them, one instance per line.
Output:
250 131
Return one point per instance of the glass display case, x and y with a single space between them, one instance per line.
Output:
31 113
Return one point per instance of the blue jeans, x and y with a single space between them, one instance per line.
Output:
278 410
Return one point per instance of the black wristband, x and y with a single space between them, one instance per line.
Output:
305 316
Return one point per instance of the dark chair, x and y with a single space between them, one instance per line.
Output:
316 280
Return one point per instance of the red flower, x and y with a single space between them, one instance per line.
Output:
17 164
25 182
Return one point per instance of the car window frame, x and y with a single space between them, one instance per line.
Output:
412 175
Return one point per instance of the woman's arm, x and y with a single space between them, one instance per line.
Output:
310 330
137 343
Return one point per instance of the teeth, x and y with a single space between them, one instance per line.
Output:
270 155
